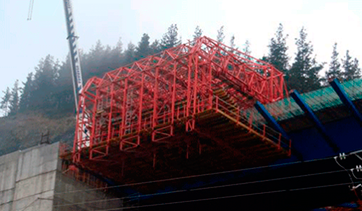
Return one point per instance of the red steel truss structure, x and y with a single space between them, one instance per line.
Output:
157 95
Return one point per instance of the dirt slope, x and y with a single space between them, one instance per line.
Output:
24 130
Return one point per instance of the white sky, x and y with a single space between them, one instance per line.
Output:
23 43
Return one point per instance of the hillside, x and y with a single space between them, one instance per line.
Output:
22 131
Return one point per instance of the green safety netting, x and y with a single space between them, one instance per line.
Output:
317 100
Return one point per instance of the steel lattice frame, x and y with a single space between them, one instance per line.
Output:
153 94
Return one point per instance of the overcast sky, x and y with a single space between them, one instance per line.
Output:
23 43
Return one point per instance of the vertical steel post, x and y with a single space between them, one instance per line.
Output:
91 140
124 109
188 103
195 81
155 98
173 95
141 102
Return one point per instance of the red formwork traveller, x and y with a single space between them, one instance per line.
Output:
152 95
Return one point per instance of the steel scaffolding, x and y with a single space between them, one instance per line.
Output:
155 97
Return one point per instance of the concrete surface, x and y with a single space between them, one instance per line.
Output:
31 180
75 195
27 178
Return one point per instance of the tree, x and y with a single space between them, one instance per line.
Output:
278 55
4 104
232 42
14 99
143 49
220 34
96 54
234 49
312 80
170 39
356 69
129 54
64 84
197 33
115 57
26 93
334 67
44 84
303 74
155 47
350 68
95 61
246 48
119 45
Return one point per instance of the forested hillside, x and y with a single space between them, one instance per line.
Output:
45 101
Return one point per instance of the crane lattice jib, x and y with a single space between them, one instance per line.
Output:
74 52
155 93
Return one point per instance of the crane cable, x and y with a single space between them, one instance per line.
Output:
30 11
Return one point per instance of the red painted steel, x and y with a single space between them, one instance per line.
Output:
155 93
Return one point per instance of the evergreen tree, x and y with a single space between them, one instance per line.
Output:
5 100
356 69
347 65
63 93
119 46
220 34
143 49
115 57
14 99
155 47
350 67
46 75
278 55
234 49
232 42
246 48
303 75
65 78
129 54
197 33
26 93
97 53
170 39
94 61
334 67
312 79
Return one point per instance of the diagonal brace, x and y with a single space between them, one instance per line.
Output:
269 118
346 100
308 111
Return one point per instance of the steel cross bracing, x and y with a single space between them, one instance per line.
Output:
161 92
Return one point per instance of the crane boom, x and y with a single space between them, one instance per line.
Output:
74 52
